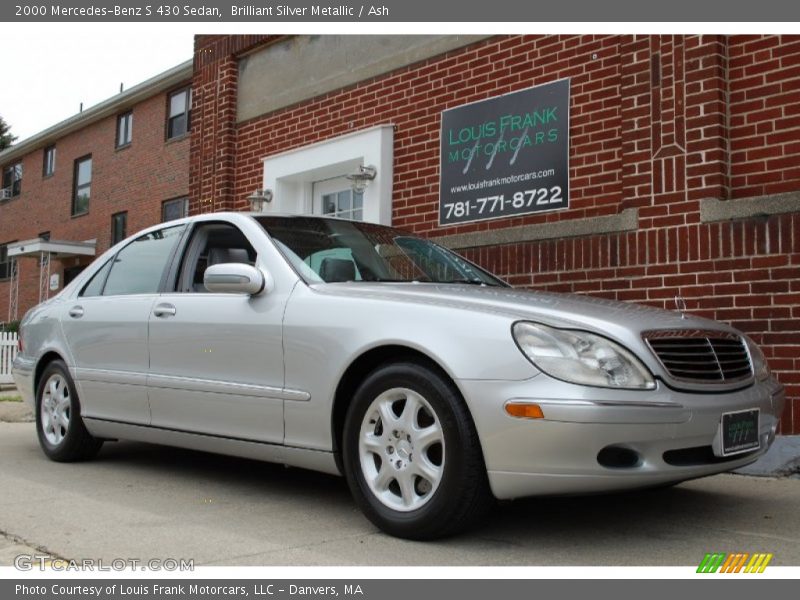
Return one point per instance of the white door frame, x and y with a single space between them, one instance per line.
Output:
291 175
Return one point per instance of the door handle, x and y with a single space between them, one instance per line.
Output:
76 312
164 310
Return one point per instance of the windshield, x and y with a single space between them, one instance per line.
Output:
333 250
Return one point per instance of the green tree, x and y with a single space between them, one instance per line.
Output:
6 137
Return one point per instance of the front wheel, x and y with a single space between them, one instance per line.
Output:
411 454
62 434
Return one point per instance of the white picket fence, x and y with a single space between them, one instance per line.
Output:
8 352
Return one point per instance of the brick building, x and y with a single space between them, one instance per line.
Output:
684 158
71 191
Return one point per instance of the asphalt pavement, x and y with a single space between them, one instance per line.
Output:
143 501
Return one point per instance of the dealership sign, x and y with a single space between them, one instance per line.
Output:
506 156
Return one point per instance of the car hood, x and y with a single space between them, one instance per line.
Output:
620 320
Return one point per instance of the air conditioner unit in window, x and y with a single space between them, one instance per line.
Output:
5 193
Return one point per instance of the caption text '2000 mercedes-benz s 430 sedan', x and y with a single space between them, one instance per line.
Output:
359 349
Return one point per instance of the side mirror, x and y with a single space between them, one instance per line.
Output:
235 278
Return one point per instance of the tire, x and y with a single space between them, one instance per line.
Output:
62 434
446 490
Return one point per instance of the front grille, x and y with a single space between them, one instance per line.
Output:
701 356
701 455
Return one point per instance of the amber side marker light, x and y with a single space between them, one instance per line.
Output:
524 410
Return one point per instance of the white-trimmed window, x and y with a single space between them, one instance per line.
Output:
337 198
125 129
312 179
179 106
82 185
49 161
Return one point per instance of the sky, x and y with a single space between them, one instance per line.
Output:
50 69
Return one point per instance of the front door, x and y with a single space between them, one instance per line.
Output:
216 360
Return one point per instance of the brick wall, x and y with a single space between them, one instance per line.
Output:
764 92
658 123
214 131
134 179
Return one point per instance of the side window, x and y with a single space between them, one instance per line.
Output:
212 244
138 267
5 263
176 208
119 227
124 129
12 181
49 161
95 285
179 110
82 185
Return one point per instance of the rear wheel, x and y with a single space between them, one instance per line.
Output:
62 434
411 454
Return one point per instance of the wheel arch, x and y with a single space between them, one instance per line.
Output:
362 366
41 365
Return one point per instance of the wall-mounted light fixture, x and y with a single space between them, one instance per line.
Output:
360 178
258 198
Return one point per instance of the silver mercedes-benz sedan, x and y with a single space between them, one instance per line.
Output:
354 348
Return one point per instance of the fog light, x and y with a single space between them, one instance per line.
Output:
618 457
524 410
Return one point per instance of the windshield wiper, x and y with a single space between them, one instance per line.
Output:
390 280
428 280
469 282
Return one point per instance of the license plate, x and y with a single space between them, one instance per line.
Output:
739 431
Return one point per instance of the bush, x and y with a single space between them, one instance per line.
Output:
12 326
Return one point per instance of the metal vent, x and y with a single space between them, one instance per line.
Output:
701 356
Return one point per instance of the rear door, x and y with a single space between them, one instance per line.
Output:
106 328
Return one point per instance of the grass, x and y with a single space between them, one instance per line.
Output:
11 399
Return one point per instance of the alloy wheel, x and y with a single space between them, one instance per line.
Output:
401 449
55 409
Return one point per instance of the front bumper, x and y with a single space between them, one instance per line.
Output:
559 454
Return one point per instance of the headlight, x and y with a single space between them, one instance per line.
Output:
581 357
760 366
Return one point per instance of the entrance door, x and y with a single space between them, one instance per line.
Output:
336 198
71 273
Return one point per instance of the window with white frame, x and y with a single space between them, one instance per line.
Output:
179 107
82 185
125 129
49 161
337 198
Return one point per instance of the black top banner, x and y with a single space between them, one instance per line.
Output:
259 11
506 156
